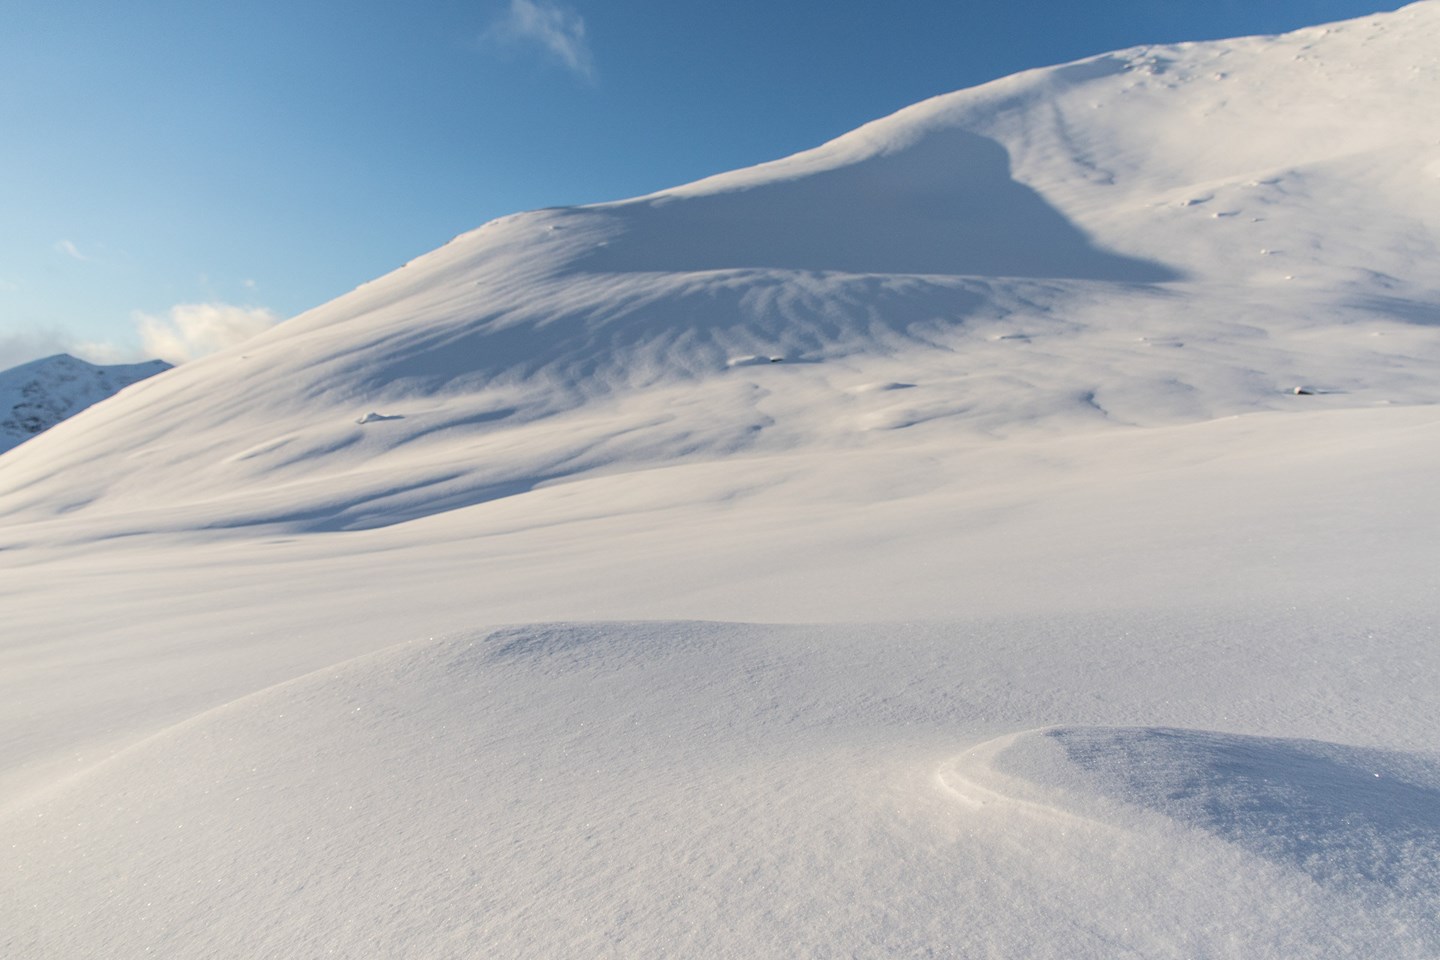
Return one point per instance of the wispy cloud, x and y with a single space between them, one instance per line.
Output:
18 348
191 330
70 250
22 346
558 30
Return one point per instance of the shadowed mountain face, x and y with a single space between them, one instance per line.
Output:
944 204
37 395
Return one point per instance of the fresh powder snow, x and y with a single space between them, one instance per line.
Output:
1007 530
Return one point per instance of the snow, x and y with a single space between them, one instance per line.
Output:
1349 817
519 604
37 395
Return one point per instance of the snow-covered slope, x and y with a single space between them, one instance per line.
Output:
1098 637
1156 236
37 395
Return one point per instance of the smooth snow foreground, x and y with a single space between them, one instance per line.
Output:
706 789
914 547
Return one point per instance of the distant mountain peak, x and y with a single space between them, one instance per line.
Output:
37 395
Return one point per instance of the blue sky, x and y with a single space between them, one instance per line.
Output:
184 169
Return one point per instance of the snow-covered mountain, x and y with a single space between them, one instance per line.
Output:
1005 530
37 395
1162 235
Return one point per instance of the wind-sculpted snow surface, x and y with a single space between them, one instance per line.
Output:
944 204
1345 815
647 790
1089 415
1355 831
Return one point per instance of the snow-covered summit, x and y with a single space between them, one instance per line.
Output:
37 395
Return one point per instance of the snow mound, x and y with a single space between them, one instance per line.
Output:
712 789
373 417
450 798
1362 823
1343 815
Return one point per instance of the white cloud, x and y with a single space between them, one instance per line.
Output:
185 332
558 30
99 351
192 330
22 346
70 250
18 348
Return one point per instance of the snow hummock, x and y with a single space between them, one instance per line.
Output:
1351 818
519 603
373 417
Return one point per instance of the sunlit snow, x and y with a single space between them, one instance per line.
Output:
1006 530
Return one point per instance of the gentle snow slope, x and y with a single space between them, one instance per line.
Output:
650 790
1118 645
